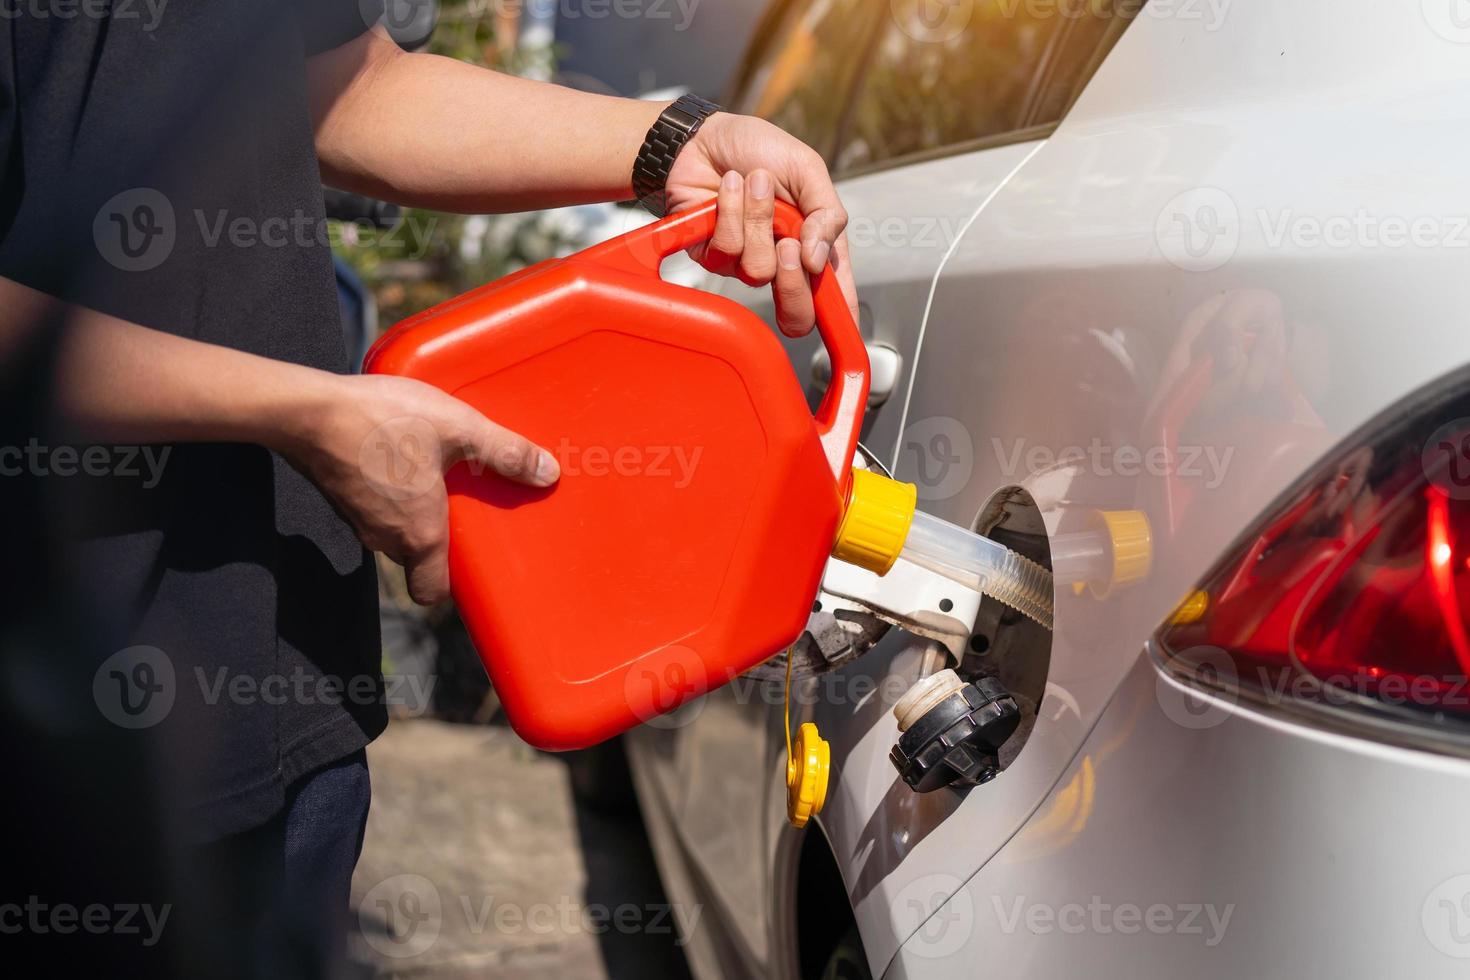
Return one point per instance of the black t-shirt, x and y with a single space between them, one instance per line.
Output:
158 165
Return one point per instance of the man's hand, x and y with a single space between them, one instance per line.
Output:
748 163
379 451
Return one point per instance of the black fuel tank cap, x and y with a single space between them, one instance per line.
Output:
958 735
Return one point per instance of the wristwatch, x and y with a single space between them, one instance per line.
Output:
674 127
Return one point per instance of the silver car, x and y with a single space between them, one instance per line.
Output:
1173 298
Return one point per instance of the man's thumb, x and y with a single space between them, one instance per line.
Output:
511 455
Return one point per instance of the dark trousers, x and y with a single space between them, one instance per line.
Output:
282 889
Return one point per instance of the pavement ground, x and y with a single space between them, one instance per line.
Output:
479 862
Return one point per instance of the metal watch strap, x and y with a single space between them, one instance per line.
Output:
666 137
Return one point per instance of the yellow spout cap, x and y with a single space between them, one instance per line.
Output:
876 522
806 775
1131 543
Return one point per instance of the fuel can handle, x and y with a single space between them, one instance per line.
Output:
839 416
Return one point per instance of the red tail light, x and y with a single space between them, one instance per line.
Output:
1351 598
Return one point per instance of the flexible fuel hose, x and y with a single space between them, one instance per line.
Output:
980 564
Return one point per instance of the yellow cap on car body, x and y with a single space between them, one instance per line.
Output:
806 775
876 521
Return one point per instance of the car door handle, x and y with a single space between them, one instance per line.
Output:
884 363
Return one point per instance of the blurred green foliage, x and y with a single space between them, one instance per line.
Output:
431 256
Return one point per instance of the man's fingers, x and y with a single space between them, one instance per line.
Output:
794 311
728 240
511 455
823 231
427 576
819 234
842 265
826 219
758 257
421 546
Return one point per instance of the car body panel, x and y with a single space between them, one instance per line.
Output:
1214 253
1284 119
1264 848
902 223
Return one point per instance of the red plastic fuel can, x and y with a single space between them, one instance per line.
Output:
698 500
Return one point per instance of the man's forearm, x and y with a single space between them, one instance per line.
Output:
375 446
436 133
117 380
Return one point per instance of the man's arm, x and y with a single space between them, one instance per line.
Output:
432 132
376 446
